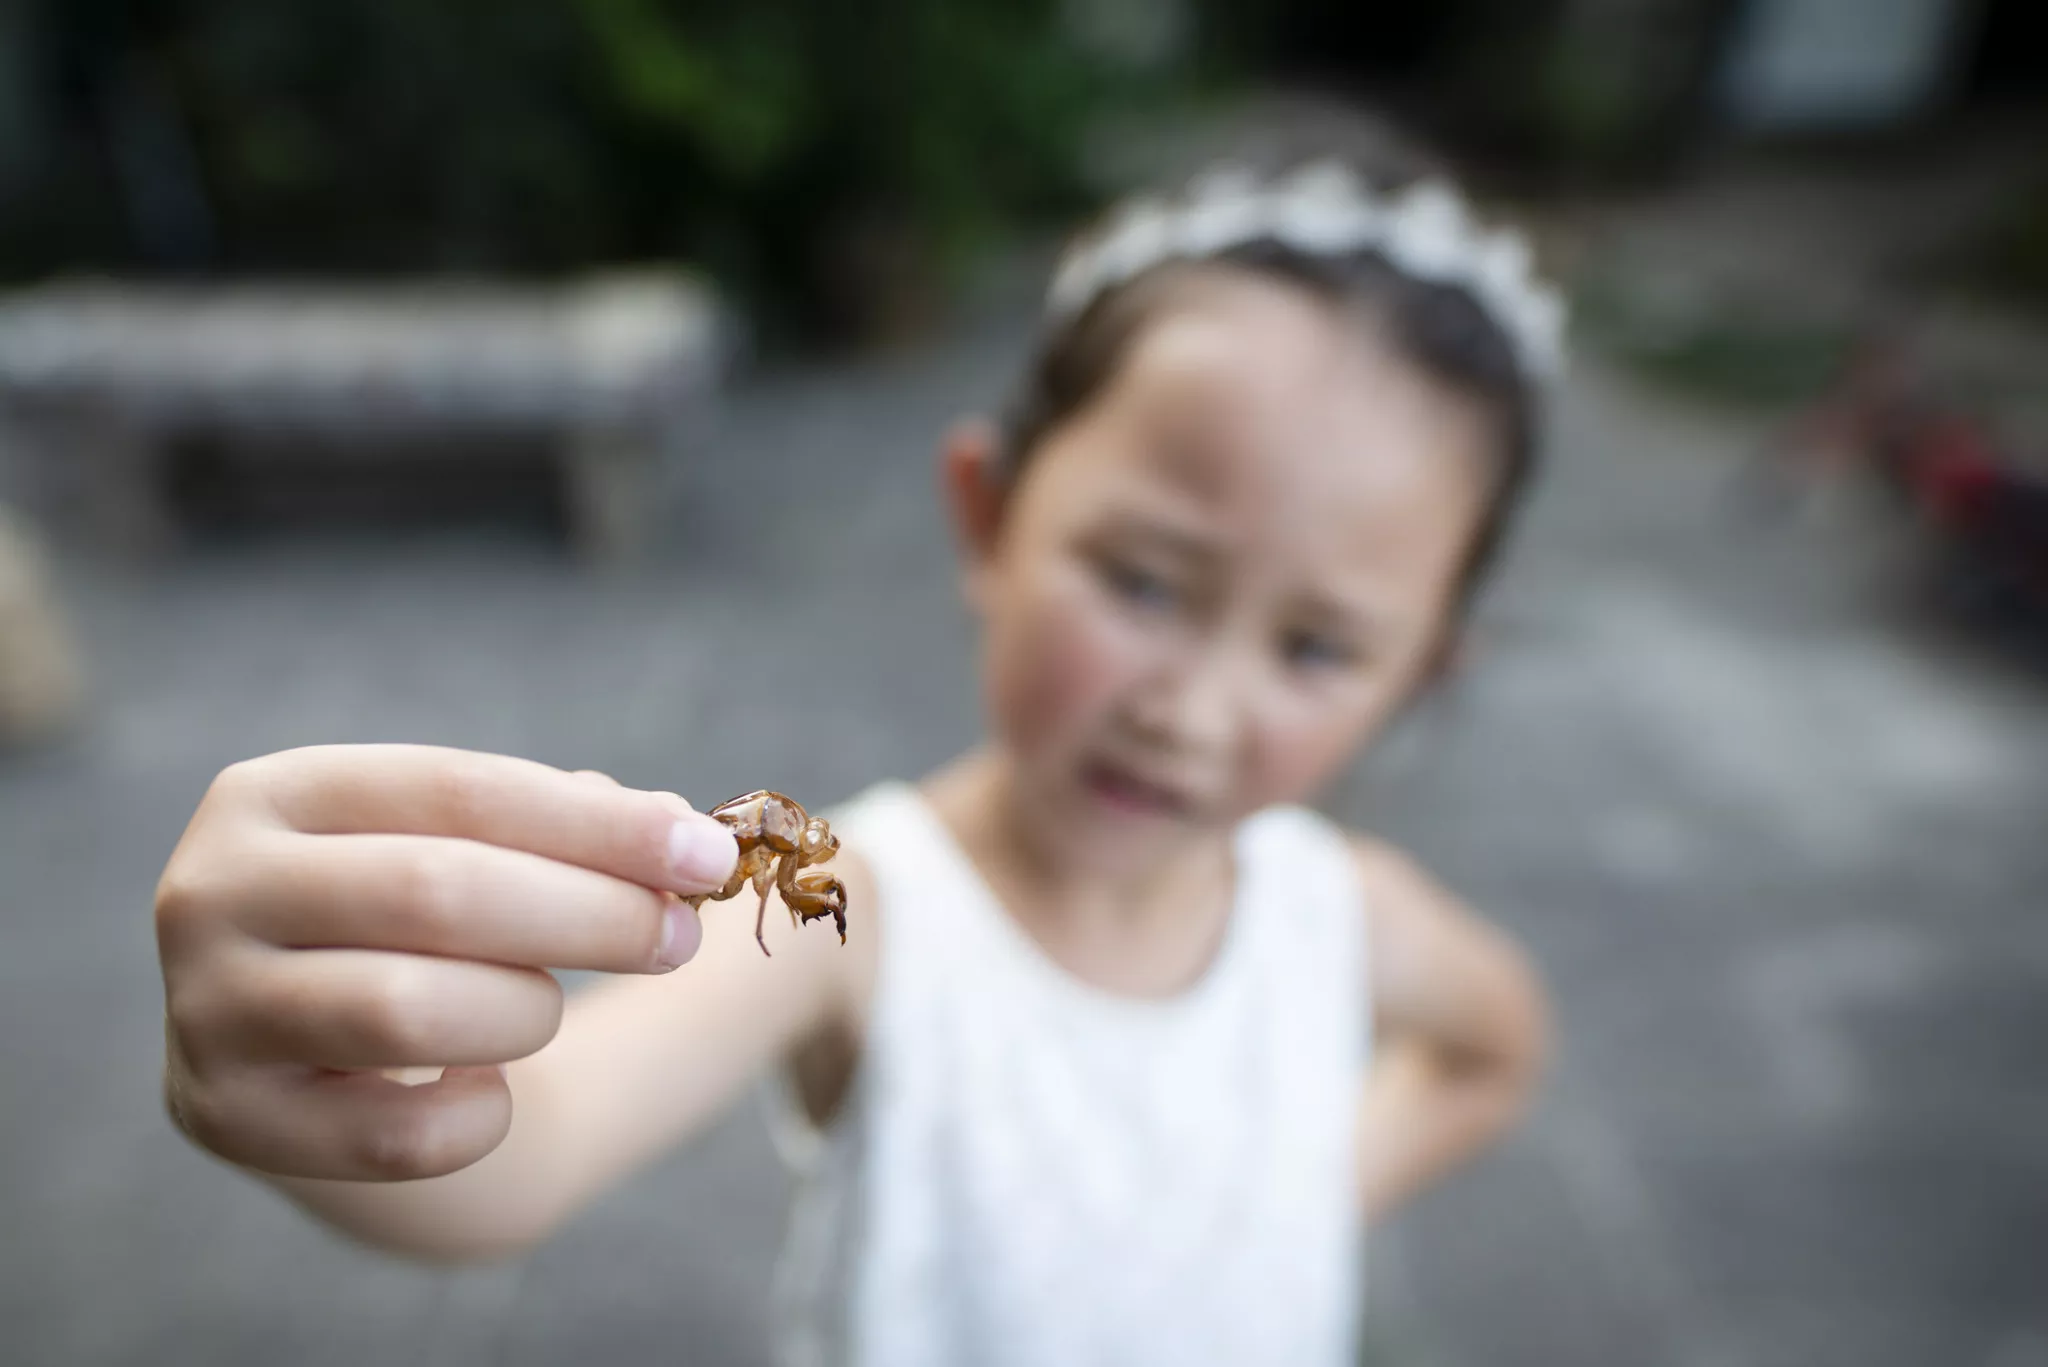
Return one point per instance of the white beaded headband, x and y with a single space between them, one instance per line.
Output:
1323 210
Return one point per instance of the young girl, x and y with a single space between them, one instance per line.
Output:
1089 1080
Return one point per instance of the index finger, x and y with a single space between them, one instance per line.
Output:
654 839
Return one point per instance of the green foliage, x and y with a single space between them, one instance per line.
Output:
539 136
738 98
2010 258
1591 101
1715 344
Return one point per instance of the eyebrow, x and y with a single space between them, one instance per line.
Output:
1358 614
1181 541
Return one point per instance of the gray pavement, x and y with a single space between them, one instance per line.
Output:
1778 849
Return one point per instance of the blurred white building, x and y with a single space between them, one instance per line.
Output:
1830 64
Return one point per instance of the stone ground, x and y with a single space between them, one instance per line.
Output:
1778 848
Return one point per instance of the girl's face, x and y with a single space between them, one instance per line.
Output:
1217 581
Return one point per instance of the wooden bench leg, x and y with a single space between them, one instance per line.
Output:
110 473
610 490
42 675
135 516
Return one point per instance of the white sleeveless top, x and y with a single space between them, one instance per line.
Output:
1029 1171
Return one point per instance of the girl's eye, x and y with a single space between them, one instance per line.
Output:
1136 585
1315 650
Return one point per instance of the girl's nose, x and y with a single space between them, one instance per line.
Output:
1192 706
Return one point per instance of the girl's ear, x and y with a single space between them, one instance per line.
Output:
970 478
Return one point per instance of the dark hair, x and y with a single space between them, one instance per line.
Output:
1440 328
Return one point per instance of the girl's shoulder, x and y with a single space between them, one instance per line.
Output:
886 837
885 830
1385 884
1297 824
1295 836
875 811
1430 945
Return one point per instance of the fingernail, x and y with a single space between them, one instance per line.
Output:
701 852
680 935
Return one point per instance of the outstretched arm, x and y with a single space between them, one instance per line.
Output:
1462 1027
638 1066
336 914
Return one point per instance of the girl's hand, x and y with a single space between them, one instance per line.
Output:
335 912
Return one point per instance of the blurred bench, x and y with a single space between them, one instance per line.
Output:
42 676
103 376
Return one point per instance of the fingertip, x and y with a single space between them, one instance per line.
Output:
682 935
475 1105
702 853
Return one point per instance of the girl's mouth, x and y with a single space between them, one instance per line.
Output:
1124 792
